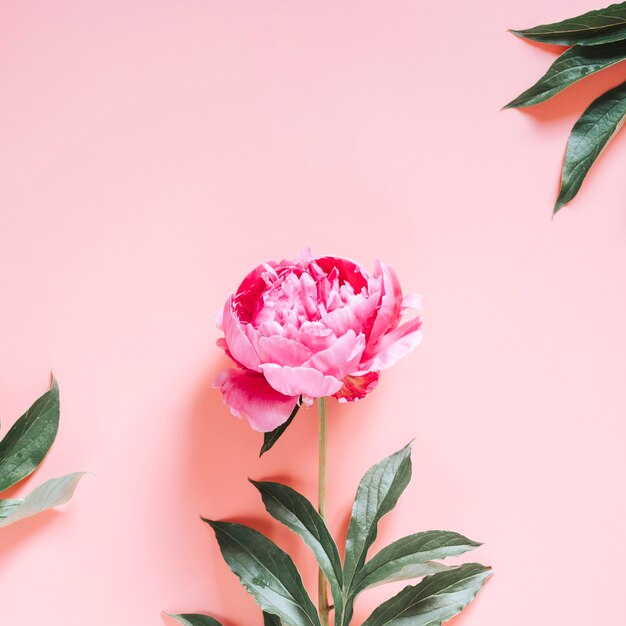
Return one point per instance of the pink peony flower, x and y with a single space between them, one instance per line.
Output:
311 328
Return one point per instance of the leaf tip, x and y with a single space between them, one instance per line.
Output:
212 523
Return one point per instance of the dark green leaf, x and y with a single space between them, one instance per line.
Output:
592 28
270 620
194 619
436 599
29 439
590 135
267 573
377 494
299 515
411 557
272 437
572 66
54 492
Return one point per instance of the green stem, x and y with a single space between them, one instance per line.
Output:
321 501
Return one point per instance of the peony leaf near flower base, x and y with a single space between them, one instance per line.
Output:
412 557
29 439
591 28
294 511
267 573
269 439
52 493
194 619
436 599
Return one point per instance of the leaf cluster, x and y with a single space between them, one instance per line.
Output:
597 40
22 450
271 577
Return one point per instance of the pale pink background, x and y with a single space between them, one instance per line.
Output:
152 152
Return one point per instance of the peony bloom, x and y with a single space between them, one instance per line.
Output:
311 328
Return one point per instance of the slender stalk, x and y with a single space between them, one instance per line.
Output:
321 501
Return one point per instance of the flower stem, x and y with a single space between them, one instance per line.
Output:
321 501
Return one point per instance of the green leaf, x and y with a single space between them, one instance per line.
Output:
54 492
270 620
411 557
377 494
592 28
29 439
267 573
7 507
590 135
573 65
436 599
272 437
194 619
299 515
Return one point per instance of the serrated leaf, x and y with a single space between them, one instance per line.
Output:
194 619
267 573
573 65
412 557
377 494
54 492
299 515
29 439
592 28
269 439
436 599
590 135
270 620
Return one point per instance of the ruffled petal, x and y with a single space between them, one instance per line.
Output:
281 350
395 345
357 387
296 381
390 305
249 396
238 344
342 358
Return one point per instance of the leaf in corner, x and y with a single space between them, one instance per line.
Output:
54 492
436 599
590 135
267 573
29 439
269 439
592 28
573 65
194 619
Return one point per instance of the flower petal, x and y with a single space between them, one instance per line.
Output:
390 305
357 387
248 395
296 381
340 359
395 345
238 344
277 349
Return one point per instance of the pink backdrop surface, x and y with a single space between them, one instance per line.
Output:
151 153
